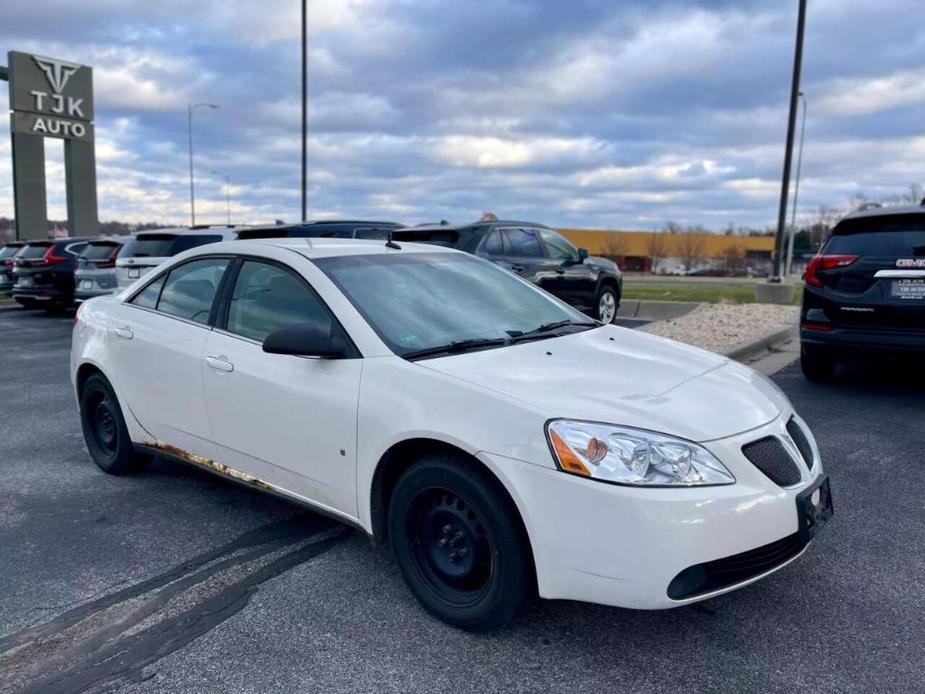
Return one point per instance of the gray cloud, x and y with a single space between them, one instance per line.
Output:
584 113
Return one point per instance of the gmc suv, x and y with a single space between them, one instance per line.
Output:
865 291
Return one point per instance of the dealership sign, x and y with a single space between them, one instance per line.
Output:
50 97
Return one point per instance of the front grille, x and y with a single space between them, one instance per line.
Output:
799 438
722 573
770 456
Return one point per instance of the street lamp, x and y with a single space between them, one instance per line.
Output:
227 194
190 107
796 192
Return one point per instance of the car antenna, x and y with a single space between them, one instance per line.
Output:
390 243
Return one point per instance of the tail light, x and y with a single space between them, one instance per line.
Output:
825 262
51 258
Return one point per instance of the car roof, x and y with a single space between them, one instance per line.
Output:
66 239
876 210
111 239
223 231
325 247
473 225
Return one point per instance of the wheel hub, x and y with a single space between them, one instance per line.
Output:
105 427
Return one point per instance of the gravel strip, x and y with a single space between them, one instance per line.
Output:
720 327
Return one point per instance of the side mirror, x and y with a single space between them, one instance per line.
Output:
306 340
582 255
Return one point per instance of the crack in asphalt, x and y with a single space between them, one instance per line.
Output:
107 642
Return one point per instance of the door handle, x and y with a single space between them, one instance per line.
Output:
124 332
518 268
220 364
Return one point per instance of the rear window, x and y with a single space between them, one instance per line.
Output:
9 251
99 250
35 250
901 236
164 245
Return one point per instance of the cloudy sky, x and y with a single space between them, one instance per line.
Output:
586 113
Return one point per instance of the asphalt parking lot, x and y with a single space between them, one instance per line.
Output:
176 581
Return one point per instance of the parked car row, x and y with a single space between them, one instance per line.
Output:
55 274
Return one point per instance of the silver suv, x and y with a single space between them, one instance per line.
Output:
148 249
96 267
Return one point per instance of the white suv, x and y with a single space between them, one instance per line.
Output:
148 249
500 442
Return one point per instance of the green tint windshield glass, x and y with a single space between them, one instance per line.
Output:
418 301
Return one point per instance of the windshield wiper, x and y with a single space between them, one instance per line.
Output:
550 327
458 346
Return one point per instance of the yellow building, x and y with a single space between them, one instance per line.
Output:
641 250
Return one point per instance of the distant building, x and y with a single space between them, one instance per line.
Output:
661 251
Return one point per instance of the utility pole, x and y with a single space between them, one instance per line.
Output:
304 110
190 107
788 155
796 192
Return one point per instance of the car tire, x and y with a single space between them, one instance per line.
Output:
816 365
607 304
460 544
104 429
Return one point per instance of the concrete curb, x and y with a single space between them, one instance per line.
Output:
655 310
746 350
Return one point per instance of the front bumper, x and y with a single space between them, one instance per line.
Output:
623 546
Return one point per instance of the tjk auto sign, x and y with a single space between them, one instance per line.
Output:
50 97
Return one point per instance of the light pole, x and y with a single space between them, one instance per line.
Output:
788 154
796 192
190 107
304 110
227 194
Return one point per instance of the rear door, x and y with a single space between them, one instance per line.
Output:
156 341
525 256
30 268
880 280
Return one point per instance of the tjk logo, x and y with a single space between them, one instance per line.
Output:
57 72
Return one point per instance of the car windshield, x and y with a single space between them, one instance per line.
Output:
888 236
164 245
9 251
98 250
35 250
431 303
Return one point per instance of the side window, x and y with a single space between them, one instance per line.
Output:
524 243
557 246
147 297
494 244
190 289
267 297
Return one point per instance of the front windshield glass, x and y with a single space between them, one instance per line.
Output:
419 302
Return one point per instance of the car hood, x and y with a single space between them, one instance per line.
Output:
622 376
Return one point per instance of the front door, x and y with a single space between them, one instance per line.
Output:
290 421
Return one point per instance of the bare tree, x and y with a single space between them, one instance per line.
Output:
689 246
656 249
616 245
819 223
734 259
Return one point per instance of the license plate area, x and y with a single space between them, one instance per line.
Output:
86 284
908 289
134 273
814 509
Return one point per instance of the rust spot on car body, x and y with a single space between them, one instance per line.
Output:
212 465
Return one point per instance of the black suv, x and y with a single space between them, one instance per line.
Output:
340 228
537 253
44 273
7 253
865 291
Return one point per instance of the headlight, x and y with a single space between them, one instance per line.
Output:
632 456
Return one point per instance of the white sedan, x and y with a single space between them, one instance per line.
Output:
499 442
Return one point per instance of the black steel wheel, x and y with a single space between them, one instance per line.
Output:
104 429
460 543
